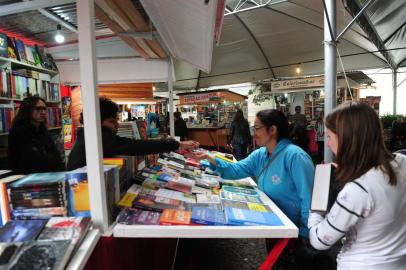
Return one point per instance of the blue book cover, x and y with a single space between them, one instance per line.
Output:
3 45
236 216
208 216
241 191
21 230
40 179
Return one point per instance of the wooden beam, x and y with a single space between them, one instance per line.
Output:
119 12
116 28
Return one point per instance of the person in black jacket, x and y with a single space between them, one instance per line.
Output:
240 135
180 126
30 146
115 145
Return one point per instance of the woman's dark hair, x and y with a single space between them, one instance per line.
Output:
108 109
275 118
26 109
360 142
177 115
238 117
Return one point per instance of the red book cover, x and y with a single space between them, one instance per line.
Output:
175 217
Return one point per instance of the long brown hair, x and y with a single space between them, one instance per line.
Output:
360 142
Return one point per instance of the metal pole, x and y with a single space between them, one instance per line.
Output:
170 93
330 66
91 114
395 89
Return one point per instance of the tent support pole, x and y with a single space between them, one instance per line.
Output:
395 89
330 66
170 93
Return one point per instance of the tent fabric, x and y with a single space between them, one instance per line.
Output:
270 42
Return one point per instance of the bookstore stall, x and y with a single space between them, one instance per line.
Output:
63 214
309 93
209 115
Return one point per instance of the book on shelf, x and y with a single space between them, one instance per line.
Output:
39 180
237 216
207 216
129 196
11 50
175 217
321 187
44 254
20 48
132 216
3 46
21 230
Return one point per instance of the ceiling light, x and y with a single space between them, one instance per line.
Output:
298 70
58 36
153 88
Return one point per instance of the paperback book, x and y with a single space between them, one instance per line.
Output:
175 217
236 216
21 230
132 216
207 216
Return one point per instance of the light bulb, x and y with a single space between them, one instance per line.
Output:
153 88
298 70
58 36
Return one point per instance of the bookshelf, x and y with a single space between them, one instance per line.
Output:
20 79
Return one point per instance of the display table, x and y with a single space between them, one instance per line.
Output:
209 136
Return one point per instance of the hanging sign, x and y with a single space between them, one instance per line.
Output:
312 82
205 97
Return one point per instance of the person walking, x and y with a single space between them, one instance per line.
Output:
240 135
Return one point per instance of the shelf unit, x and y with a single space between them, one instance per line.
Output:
20 79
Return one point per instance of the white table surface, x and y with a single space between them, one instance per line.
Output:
79 259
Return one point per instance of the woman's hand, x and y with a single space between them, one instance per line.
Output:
188 145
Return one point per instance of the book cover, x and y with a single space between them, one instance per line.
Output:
8 251
132 216
20 48
154 203
3 46
39 255
175 217
40 180
207 198
78 193
241 191
4 198
21 230
179 187
236 216
238 197
66 228
321 187
172 194
12 53
40 212
208 216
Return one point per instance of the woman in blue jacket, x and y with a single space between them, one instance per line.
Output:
282 170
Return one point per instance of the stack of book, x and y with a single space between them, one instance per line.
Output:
41 244
177 191
38 196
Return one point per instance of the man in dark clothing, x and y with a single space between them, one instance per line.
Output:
299 132
115 145
30 146
180 126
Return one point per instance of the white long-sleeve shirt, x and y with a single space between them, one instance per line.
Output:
371 216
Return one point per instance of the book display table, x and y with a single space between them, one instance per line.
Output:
288 230
81 256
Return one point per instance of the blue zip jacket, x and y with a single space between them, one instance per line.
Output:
288 180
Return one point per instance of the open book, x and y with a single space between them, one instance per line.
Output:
321 187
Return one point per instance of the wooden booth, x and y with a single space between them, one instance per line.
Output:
209 115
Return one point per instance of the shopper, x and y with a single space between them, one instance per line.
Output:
299 131
319 128
282 170
30 146
369 212
115 145
240 135
180 126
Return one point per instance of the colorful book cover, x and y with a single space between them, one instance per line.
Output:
36 255
20 48
246 205
78 193
40 180
179 187
132 216
175 217
207 198
236 216
21 230
4 198
208 216
154 203
172 194
11 48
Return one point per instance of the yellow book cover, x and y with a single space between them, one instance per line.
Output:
258 207
114 161
127 200
220 156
